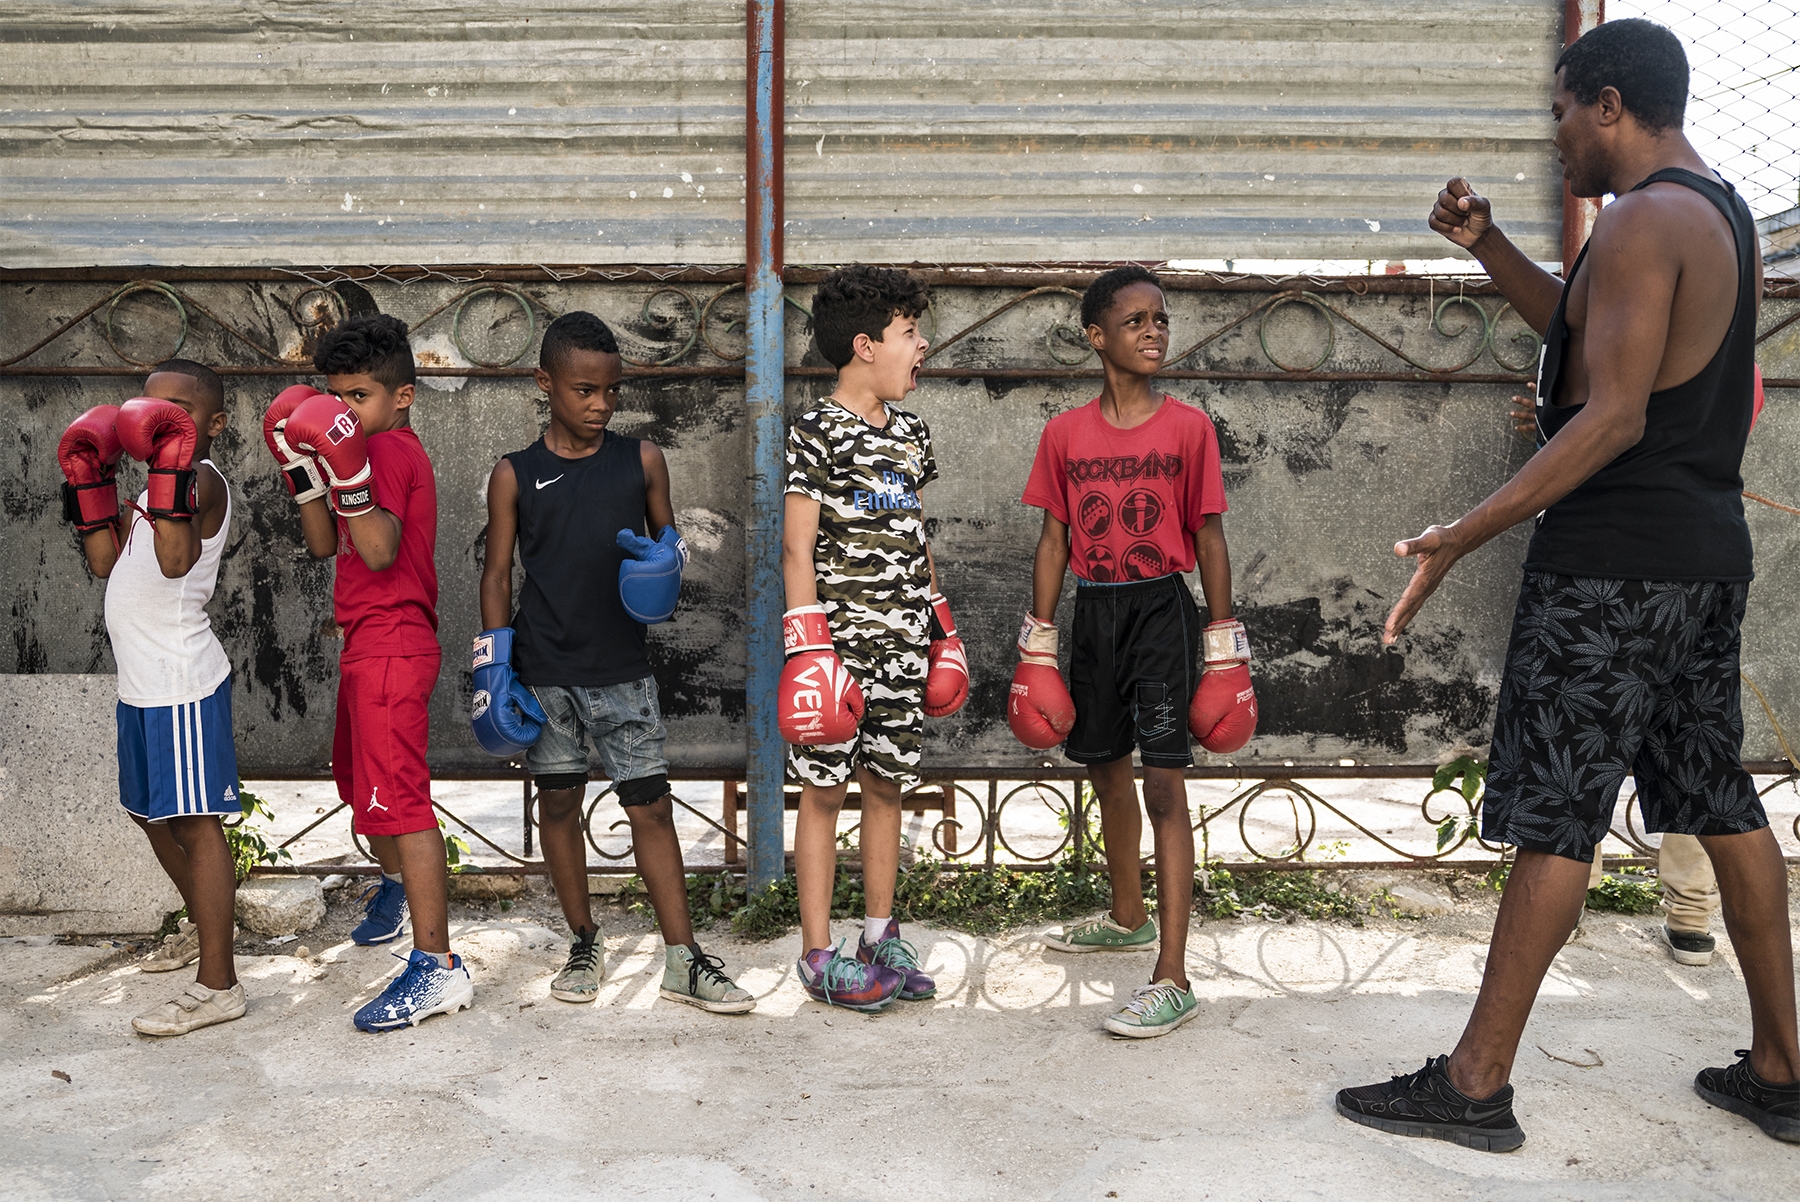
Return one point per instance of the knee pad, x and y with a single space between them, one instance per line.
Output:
643 790
560 780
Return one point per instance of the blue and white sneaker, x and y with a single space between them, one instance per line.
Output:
419 992
386 916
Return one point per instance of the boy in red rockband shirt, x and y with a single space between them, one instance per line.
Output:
360 453
1132 498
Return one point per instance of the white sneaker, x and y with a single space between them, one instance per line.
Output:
195 1007
175 951
421 990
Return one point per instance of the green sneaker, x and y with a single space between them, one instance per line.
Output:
582 972
1154 1010
1102 934
692 976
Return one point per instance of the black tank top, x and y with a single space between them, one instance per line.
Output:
571 628
1671 507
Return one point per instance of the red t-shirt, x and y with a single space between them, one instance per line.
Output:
393 612
1132 499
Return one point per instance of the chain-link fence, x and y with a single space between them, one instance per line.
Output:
1743 113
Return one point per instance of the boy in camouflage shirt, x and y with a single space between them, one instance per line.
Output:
856 564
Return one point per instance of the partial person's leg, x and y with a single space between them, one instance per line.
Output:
1689 885
173 859
213 886
1122 828
1753 885
879 841
425 873
657 850
1171 829
815 860
1537 911
565 853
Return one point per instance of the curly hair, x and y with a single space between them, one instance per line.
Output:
577 331
1099 295
1640 58
375 346
862 300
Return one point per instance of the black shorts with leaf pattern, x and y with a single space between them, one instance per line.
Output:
1607 679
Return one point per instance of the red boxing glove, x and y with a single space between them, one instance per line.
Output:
326 428
1038 706
947 683
88 452
305 478
1223 713
820 701
162 435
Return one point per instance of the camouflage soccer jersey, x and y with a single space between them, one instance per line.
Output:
873 578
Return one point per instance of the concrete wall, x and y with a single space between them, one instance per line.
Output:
71 860
1322 477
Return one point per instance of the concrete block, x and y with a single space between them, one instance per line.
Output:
71 861
280 905
485 886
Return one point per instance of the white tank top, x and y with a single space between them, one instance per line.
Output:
162 638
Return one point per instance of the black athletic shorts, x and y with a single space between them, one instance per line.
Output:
1132 671
1607 679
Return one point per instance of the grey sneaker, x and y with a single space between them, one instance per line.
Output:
175 951
692 976
1689 947
582 972
1102 934
195 1007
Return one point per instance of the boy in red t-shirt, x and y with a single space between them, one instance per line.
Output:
367 496
1132 497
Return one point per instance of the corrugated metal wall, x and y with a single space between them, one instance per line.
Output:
209 132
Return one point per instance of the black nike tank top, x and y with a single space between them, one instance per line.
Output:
571 628
1671 507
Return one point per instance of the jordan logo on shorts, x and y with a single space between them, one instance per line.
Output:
376 805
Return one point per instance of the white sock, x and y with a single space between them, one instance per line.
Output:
392 876
442 958
873 929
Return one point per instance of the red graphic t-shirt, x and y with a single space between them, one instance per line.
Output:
393 612
1132 499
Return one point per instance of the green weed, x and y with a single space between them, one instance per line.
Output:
1625 894
249 849
1296 894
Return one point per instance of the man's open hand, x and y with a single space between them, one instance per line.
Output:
1460 215
1437 550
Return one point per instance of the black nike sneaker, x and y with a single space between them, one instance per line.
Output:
1737 1088
1426 1104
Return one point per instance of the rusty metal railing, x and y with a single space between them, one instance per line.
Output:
971 828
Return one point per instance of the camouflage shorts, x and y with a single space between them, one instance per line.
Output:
891 675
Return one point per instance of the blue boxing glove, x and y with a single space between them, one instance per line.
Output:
507 718
650 581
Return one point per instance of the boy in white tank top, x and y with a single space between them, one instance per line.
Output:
160 559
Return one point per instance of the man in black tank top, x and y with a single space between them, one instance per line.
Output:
1624 652
571 503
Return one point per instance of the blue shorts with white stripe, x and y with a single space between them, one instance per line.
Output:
178 759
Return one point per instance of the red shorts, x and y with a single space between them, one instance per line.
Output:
378 752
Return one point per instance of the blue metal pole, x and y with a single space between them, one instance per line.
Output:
764 387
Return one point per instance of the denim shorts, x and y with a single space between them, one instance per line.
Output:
622 721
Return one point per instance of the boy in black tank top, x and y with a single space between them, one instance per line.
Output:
1624 652
575 503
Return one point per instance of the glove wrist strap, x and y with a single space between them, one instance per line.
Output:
805 628
1226 642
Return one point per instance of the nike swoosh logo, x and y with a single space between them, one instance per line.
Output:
551 480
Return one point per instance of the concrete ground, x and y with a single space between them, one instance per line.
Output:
1003 1086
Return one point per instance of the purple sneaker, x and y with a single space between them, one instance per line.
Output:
896 953
838 980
